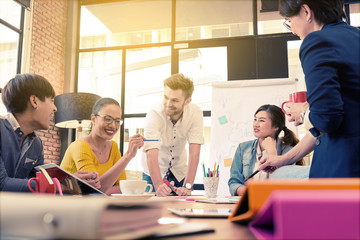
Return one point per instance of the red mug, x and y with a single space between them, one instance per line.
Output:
45 184
296 97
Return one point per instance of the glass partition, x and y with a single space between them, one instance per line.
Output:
100 73
269 19
204 66
146 69
355 14
10 12
10 35
125 23
205 19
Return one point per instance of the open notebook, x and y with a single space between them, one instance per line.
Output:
74 185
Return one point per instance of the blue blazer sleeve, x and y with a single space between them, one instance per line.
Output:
320 60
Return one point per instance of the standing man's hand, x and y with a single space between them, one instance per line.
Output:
182 191
162 190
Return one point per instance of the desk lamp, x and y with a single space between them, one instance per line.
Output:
74 110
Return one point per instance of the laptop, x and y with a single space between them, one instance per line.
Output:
72 184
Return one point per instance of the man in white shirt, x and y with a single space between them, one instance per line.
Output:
168 127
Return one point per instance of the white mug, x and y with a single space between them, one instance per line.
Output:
134 186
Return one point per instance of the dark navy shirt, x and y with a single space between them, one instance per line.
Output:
17 163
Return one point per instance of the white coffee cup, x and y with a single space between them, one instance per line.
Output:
134 186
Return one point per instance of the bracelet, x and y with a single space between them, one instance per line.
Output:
302 115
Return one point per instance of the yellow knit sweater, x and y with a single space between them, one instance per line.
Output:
80 157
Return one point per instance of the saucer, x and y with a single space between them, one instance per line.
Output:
133 196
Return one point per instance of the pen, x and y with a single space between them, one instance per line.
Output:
170 186
253 174
214 169
204 169
264 153
151 140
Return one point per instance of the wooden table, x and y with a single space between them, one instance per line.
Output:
224 229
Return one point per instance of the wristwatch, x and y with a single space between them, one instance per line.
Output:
188 186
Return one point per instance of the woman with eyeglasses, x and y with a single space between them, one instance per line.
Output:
98 152
330 60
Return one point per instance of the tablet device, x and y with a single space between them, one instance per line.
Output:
71 184
227 200
184 229
201 212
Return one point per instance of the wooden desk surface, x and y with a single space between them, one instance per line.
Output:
224 229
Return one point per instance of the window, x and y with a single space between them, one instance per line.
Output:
206 19
204 66
127 48
100 73
269 19
11 41
146 69
122 23
355 14
110 58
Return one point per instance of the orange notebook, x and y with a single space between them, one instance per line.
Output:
257 192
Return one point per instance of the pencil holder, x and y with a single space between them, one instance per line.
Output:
211 186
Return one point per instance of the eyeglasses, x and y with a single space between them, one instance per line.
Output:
287 24
109 120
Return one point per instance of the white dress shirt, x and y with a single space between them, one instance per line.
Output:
173 138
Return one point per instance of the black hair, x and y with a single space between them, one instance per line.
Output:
101 103
18 90
325 11
278 120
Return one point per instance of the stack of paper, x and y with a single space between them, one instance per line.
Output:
76 217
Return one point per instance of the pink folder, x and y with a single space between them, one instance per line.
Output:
309 214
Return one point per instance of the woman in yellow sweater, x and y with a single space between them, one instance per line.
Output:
98 152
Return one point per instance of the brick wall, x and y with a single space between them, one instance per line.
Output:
47 58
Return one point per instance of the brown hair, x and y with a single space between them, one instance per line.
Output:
179 81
